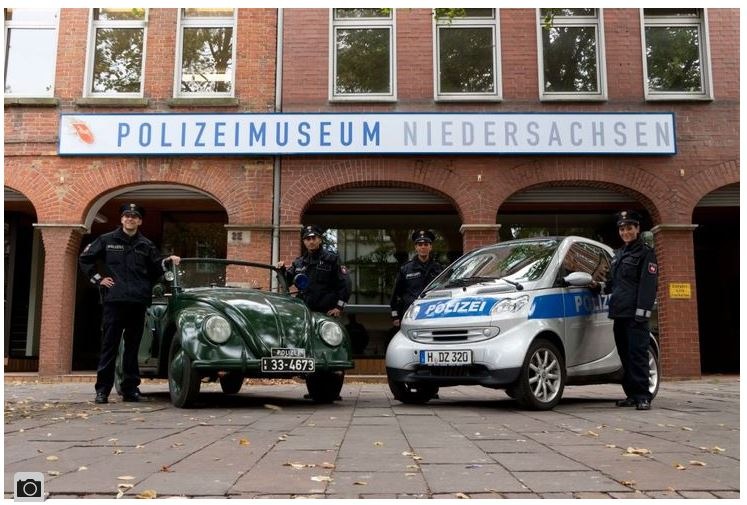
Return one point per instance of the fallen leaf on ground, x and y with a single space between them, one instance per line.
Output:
321 478
378 444
166 468
461 495
282 438
610 446
53 473
244 441
592 433
360 483
117 451
298 466
637 451
52 458
413 467
81 468
126 477
696 463
147 494
679 466
272 407
717 449
685 428
327 464
177 444
629 483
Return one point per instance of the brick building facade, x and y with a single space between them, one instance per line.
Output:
471 200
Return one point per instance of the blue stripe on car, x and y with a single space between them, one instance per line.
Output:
576 304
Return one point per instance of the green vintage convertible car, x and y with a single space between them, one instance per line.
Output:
225 320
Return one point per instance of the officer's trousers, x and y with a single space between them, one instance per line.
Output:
120 320
632 340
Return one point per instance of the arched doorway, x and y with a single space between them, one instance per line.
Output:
24 260
370 228
716 243
178 220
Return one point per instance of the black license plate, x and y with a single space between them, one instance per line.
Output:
278 364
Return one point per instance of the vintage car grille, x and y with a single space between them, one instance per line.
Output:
459 335
475 371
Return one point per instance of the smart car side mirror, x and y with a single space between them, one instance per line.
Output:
578 279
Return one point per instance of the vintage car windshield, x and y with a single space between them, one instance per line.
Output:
218 273
514 261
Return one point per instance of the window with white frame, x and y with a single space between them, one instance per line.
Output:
466 55
571 51
676 54
205 65
30 51
118 42
362 54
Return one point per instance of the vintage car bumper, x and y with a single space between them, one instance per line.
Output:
253 367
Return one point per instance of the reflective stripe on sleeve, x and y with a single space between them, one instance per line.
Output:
642 313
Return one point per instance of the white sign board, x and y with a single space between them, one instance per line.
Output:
362 133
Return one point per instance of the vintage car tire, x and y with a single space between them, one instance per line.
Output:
407 392
654 376
325 387
543 367
184 382
231 383
119 368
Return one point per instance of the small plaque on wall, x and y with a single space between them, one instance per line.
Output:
680 290
239 236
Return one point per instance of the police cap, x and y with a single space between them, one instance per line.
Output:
132 208
423 236
311 231
627 217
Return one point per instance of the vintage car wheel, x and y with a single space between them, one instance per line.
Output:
542 378
231 383
407 392
184 382
653 370
119 368
325 387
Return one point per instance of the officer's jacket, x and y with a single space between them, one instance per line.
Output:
632 281
132 261
412 278
328 287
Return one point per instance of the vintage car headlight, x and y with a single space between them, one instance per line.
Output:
509 305
217 328
331 333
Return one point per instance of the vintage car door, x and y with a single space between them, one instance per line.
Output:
588 331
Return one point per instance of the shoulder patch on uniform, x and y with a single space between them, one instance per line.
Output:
652 268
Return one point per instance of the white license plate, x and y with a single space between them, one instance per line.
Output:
446 358
278 364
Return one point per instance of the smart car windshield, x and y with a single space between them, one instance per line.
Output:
512 261
219 273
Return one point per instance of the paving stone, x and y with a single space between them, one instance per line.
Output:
592 496
535 462
346 483
664 494
273 475
460 479
513 496
635 495
546 482
731 495
519 445
468 454
697 494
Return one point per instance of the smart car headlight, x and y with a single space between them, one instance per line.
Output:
217 329
331 333
509 305
411 313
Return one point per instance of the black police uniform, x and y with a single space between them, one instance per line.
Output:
135 264
412 278
632 282
328 286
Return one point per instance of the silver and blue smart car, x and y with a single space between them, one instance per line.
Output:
517 315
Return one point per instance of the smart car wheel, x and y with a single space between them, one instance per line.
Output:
542 377
325 387
184 382
407 392
653 370
231 383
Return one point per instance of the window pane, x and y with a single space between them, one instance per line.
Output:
208 13
466 60
206 60
570 59
684 13
363 13
36 16
118 62
478 13
118 14
568 12
673 58
363 61
30 61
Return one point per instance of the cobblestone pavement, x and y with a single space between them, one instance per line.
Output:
270 442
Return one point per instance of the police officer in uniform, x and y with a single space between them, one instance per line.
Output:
632 284
327 289
414 275
131 264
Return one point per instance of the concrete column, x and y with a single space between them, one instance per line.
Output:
678 304
61 246
478 235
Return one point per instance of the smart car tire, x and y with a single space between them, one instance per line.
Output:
653 370
231 383
325 387
407 392
542 378
184 382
